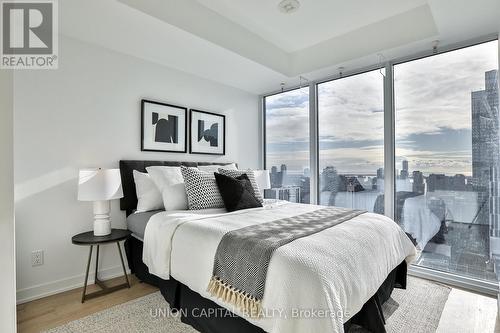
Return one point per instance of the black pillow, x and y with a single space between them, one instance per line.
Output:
237 193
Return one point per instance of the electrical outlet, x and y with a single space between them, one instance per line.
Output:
37 258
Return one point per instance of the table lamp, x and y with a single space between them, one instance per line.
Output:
100 186
263 180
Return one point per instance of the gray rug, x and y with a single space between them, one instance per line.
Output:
416 309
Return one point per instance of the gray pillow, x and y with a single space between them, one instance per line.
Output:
251 177
201 189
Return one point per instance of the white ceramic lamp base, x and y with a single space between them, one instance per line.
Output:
102 223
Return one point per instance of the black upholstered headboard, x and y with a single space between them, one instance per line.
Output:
129 201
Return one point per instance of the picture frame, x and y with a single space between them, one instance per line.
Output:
163 127
207 133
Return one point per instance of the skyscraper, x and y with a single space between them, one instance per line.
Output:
418 182
404 172
485 145
283 175
330 183
275 176
380 173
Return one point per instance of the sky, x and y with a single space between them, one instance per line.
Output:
433 116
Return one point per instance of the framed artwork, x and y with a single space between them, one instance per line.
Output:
208 133
164 127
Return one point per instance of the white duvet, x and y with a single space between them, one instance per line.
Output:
314 284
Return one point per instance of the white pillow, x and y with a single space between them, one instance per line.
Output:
215 168
165 177
148 196
175 197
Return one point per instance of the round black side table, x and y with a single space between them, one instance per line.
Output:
88 239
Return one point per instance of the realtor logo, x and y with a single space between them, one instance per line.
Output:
29 34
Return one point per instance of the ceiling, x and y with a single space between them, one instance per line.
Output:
252 46
315 21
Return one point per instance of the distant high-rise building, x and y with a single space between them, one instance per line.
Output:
380 173
404 172
283 175
458 183
418 182
330 183
436 182
485 145
276 178
330 179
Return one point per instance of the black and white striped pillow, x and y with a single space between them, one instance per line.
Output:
201 189
251 177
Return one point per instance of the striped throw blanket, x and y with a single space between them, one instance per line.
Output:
243 255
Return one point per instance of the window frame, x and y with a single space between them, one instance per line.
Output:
263 135
390 211
475 285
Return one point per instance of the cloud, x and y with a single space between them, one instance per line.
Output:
433 115
298 98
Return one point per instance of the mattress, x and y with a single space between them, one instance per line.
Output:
136 222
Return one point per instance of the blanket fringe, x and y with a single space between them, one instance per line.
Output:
246 303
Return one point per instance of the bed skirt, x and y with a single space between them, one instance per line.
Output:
180 297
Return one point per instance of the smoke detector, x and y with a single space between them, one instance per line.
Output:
289 6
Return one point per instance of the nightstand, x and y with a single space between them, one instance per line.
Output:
88 239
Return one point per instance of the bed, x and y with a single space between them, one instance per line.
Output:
179 247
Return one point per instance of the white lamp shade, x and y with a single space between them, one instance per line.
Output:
262 179
99 184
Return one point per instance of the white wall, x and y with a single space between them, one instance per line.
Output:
87 114
7 254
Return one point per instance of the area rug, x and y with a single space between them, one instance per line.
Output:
418 308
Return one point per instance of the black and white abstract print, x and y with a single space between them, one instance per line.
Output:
207 133
163 127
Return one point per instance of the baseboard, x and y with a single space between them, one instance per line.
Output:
59 286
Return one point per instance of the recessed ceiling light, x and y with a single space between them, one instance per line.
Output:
289 6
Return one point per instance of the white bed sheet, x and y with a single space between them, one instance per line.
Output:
336 270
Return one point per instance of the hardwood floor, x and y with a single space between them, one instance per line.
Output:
59 309
464 312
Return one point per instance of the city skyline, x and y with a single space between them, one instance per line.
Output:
433 114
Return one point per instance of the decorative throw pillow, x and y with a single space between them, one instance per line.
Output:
237 193
148 195
174 197
201 189
251 177
165 175
170 184
215 167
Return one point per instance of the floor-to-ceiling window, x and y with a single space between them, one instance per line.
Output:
351 141
447 158
447 153
287 143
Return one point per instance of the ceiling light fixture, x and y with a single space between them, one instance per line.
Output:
289 6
